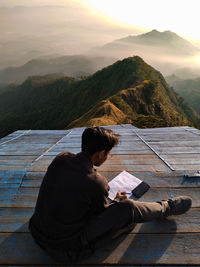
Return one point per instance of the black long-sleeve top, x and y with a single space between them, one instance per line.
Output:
70 194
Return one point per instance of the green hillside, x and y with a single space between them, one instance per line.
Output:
136 92
145 105
189 89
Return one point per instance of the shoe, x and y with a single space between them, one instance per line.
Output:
178 205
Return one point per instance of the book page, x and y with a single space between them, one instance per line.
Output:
124 182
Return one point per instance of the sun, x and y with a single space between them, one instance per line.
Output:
179 16
197 59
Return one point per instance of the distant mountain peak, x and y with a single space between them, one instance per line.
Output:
161 35
162 43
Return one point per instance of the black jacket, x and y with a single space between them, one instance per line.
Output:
70 194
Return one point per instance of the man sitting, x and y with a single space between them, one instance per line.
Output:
73 215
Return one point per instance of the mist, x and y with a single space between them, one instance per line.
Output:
32 32
46 32
165 58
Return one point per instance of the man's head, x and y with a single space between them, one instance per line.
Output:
98 142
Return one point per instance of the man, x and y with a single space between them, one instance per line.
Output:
73 215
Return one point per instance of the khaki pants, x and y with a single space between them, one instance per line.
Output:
117 217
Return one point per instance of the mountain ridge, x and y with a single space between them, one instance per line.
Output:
131 86
71 65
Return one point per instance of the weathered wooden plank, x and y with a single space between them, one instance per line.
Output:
178 143
189 160
43 136
11 174
118 152
174 179
13 197
183 156
12 168
178 150
169 136
32 179
9 185
187 167
157 180
125 145
12 137
16 158
11 178
45 132
14 163
165 133
129 138
133 159
168 150
128 249
12 151
22 153
170 158
116 159
16 220
138 167
174 128
159 167
25 147
26 197
138 146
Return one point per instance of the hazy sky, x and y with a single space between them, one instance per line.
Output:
180 16
34 28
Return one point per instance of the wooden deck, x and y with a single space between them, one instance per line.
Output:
159 156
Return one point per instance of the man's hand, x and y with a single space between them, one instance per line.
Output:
120 196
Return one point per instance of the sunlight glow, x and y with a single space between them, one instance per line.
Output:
197 59
180 16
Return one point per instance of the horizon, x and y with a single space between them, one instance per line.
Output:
34 29
143 19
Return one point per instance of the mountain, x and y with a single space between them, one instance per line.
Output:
187 73
127 91
160 42
147 104
165 51
189 89
75 65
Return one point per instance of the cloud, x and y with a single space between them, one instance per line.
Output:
72 29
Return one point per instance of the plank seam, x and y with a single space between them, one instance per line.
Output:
191 132
51 147
168 165
25 132
38 158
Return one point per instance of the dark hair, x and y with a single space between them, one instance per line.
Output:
97 139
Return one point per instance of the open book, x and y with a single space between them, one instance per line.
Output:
129 183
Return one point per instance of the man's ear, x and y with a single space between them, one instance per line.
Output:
98 155
102 153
